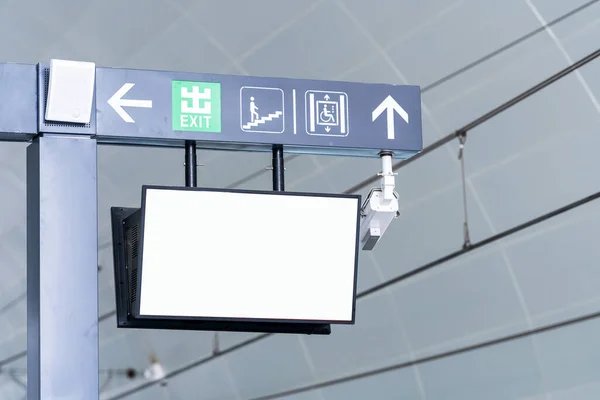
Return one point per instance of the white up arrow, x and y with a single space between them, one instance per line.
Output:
117 102
390 105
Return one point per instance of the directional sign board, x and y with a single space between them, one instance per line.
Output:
246 113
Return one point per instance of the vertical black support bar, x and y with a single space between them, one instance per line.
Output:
191 179
278 169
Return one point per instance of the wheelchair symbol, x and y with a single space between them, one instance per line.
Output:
328 113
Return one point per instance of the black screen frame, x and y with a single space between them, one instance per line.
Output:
132 318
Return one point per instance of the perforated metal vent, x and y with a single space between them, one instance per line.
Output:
132 238
134 242
51 123
133 285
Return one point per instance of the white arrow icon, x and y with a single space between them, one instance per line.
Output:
390 105
117 102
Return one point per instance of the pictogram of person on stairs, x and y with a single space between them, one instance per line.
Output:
253 110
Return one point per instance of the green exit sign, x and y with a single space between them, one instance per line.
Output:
196 106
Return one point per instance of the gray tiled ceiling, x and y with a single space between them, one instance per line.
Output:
507 372
525 162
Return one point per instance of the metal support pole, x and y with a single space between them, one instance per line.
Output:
62 268
388 181
278 169
191 179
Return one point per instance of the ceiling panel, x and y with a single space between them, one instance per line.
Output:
230 339
65 49
7 330
214 383
153 392
369 271
464 302
590 391
270 365
485 86
175 348
345 173
570 356
56 19
11 346
530 237
262 180
395 385
575 34
312 395
258 20
124 350
552 177
123 170
422 179
298 168
311 176
232 168
10 389
529 125
507 371
184 47
373 68
557 270
563 113
13 312
18 23
427 230
554 9
13 258
463 35
376 339
124 36
12 182
317 46
392 22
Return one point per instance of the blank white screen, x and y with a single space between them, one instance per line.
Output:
241 255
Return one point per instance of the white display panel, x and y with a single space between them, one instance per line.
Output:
250 256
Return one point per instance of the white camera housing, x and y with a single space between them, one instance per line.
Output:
380 207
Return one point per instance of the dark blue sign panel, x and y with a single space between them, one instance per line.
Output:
242 112
18 101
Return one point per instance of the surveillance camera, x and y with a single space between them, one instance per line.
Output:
380 207
377 213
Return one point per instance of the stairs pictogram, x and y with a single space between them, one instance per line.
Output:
263 120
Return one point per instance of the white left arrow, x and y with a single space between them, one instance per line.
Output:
117 102
390 105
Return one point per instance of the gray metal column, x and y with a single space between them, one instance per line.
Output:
62 269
